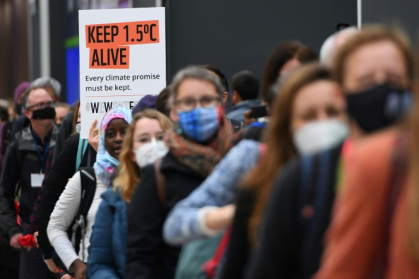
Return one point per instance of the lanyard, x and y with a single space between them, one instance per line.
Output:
42 157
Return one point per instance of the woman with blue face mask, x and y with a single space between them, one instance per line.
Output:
200 138
309 100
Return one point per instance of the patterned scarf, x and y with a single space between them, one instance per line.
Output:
105 164
201 158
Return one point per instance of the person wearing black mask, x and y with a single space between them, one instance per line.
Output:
375 68
377 93
23 170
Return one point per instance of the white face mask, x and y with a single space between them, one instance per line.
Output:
320 135
78 127
148 153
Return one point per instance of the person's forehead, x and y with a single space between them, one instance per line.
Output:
377 48
62 109
117 123
147 124
194 82
382 54
38 94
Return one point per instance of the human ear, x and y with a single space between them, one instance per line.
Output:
27 113
174 115
225 97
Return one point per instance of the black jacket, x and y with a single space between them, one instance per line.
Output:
290 245
61 170
148 256
66 129
20 162
238 249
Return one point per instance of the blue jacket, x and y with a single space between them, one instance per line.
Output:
236 112
107 244
219 189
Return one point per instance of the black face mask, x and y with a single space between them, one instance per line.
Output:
19 108
45 113
378 107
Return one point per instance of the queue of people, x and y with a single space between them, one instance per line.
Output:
315 180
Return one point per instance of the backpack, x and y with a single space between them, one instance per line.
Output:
315 172
77 230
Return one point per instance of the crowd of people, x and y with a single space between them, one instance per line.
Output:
315 179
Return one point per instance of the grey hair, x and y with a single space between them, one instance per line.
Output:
47 82
329 47
25 98
194 72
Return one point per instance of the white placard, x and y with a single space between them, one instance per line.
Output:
122 59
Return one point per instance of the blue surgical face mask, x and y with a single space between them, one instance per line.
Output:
200 124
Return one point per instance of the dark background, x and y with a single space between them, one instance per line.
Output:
240 34
232 35
397 13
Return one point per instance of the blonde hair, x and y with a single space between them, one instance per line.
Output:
129 173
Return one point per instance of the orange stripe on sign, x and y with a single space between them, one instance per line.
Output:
113 96
124 33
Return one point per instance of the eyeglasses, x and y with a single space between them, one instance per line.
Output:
189 103
40 106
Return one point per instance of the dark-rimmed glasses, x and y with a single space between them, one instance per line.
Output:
189 103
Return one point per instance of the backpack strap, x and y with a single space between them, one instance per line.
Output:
312 194
321 186
305 182
210 267
88 189
305 207
160 183
90 162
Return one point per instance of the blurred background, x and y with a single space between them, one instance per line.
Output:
40 37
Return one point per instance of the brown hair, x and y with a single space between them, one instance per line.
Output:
372 34
76 116
129 173
280 145
281 55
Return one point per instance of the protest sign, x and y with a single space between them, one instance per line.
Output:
122 59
